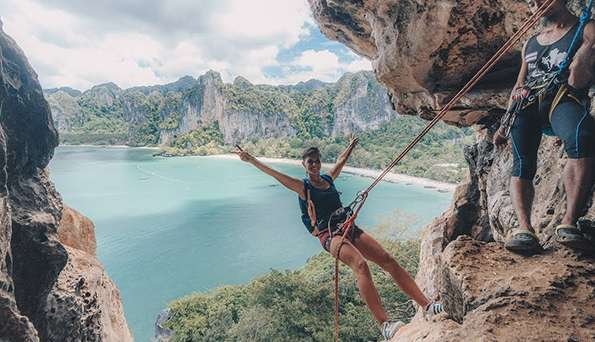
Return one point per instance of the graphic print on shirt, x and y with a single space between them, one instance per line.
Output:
549 63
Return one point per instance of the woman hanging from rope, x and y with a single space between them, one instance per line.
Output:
323 213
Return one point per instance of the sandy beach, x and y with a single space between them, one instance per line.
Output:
369 173
391 177
110 146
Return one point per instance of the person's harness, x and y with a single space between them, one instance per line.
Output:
541 89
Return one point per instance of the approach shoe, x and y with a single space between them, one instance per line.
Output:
390 328
433 309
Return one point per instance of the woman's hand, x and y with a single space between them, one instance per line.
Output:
520 93
244 156
353 142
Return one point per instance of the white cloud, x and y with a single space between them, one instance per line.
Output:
263 20
358 64
323 65
138 43
323 62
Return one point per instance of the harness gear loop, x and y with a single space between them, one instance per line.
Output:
358 204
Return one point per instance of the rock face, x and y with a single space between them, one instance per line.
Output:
494 295
241 110
84 304
364 107
424 51
31 257
162 334
64 109
77 231
83 299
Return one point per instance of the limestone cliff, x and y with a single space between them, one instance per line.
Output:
241 110
83 299
423 52
32 259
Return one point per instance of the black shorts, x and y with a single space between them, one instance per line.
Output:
570 121
325 237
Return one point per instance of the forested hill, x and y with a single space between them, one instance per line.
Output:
238 111
207 116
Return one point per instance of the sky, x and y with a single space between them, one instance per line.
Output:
142 42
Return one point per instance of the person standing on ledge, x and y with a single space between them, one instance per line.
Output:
565 113
323 213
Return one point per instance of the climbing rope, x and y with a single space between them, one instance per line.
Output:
362 196
583 20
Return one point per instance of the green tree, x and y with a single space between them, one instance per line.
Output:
294 305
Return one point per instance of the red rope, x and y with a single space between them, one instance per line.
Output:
346 226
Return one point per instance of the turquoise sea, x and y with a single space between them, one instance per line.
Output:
167 227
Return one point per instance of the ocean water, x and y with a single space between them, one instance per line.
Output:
167 227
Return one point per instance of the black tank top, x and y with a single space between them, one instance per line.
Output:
325 202
544 59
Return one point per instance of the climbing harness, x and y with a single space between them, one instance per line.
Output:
550 83
362 196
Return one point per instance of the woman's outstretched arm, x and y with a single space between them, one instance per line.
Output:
342 160
290 183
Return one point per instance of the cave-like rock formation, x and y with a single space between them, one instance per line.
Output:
424 51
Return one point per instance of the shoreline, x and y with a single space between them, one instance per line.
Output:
397 178
391 177
108 146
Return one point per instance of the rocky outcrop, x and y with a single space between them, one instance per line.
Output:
83 299
424 51
242 110
494 295
84 304
31 257
162 334
364 107
489 290
65 110
77 231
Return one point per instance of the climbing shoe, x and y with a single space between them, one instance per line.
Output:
433 309
572 237
390 328
587 227
522 241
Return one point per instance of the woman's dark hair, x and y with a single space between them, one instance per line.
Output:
310 152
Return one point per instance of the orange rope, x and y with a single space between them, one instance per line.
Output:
360 201
337 295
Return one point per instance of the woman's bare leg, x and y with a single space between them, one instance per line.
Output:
354 259
373 251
